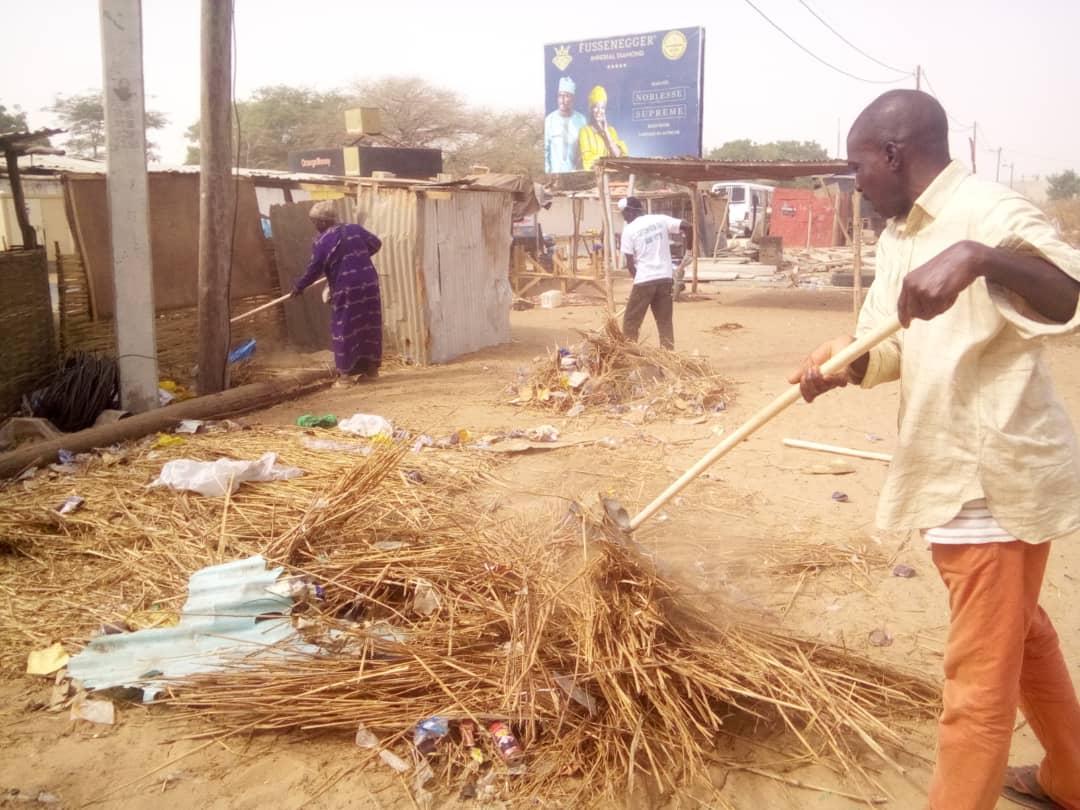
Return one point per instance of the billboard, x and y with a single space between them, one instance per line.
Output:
638 95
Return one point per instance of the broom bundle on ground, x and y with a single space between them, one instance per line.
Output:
608 371
126 553
611 679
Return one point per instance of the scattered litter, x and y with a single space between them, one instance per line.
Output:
244 352
880 638
47 661
840 497
65 456
70 504
166 440
298 589
718 430
42 797
229 615
422 442
873 437
577 379
367 425
339 447
309 420
577 410
189 426
165 397
697 420
543 433
95 711
905 571
429 733
425 598
365 738
394 761
215 478
505 742
576 693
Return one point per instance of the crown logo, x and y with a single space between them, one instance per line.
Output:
562 58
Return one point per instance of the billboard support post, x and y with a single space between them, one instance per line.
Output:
694 224
609 240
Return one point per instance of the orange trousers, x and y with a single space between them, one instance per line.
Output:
1002 653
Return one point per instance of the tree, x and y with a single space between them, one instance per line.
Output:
1063 186
13 121
746 149
278 119
83 116
511 142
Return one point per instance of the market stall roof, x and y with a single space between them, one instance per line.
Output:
691 170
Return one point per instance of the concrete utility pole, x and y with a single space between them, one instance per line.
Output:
973 143
1012 167
918 77
997 172
129 219
215 195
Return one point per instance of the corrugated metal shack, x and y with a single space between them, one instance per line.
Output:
444 266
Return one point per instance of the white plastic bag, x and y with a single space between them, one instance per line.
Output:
366 424
215 478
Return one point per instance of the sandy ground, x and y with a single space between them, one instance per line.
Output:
762 493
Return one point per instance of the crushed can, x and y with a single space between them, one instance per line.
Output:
429 733
505 741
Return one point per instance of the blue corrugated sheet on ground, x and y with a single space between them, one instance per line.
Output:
229 618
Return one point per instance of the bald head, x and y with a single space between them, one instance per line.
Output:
897 146
904 116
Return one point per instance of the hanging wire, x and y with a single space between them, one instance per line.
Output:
818 58
848 42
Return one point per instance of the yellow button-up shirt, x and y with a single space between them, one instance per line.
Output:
979 416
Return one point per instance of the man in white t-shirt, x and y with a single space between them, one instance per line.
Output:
646 243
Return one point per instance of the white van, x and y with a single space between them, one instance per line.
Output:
747 204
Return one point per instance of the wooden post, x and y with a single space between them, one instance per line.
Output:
856 246
697 234
129 219
215 203
18 199
611 265
575 211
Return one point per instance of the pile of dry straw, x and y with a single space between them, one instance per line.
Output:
612 680
606 371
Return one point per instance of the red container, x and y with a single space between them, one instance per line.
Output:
792 207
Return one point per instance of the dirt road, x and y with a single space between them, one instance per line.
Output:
761 495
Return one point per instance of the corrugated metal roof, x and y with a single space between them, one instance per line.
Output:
229 618
690 170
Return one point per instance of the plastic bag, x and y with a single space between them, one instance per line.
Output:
215 478
367 424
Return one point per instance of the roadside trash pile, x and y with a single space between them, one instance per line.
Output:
606 373
478 658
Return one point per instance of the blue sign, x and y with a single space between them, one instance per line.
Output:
637 95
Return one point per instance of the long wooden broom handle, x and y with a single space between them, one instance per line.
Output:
835 363
269 304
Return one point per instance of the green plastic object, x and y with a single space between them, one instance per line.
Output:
309 420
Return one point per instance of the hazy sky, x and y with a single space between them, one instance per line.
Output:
1009 65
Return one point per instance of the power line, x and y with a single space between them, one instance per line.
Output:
818 58
847 41
933 92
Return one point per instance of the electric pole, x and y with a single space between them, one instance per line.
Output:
973 142
215 195
997 173
918 77
128 195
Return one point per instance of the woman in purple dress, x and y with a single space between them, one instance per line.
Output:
342 252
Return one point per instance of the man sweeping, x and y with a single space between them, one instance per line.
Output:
646 244
987 464
342 252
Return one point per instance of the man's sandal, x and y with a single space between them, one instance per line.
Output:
1022 787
